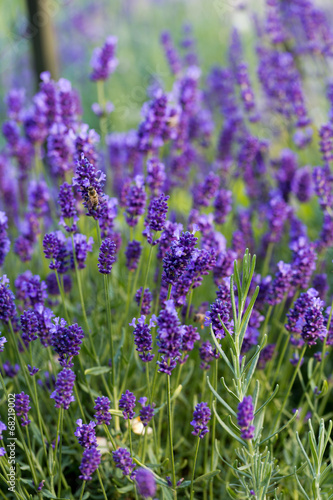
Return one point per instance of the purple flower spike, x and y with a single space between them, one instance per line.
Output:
135 201
63 394
102 415
123 461
3 340
127 404
146 412
22 407
314 328
90 183
146 483
103 61
66 340
146 301
7 304
86 434
156 216
91 459
107 256
30 327
132 253
201 417
245 416
143 338
169 336
66 202
3 427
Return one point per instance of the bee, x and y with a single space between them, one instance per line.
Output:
200 318
93 199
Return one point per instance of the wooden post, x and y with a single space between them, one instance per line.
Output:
41 13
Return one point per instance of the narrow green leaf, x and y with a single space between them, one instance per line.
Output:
253 365
219 348
312 443
281 428
221 400
225 427
97 370
305 454
238 283
247 316
116 413
272 396
206 476
233 303
229 390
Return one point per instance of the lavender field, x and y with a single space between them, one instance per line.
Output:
166 250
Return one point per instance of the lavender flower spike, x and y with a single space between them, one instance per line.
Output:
91 459
127 404
22 407
245 416
101 408
63 394
107 256
146 483
201 417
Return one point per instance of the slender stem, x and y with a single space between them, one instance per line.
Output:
101 483
289 388
194 465
60 451
211 483
82 489
62 294
113 367
267 261
146 277
281 357
170 435
189 305
108 433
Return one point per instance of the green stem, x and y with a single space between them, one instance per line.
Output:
82 489
211 483
170 436
113 367
60 451
289 388
101 483
268 257
194 465
281 357
146 277
62 293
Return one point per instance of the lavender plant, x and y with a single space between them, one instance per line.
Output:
166 291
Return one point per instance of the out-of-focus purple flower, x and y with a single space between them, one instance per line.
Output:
205 191
320 283
278 213
145 481
302 184
220 309
63 394
156 176
45 324
90 184
326 143
245 415
246 91
107 216
323 186
10 370
107 256
171 53
135 201
22 408
32 370
66 340
177 257
294 360
7 304
55 249
146 301
303 263
104 61
66 202
172 231
314 327
99 111
143 337
127 404
38 197
169 337
86 434
52 284
14 101
122 459
30 289
4 241
102 407
29 325
156 216
281 284
147 411
3 427
201 417
91 459
2 452
82 246
265 355
190 336
274 26
222 205
207 354
3 340
132 253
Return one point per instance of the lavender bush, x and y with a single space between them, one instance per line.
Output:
165 298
